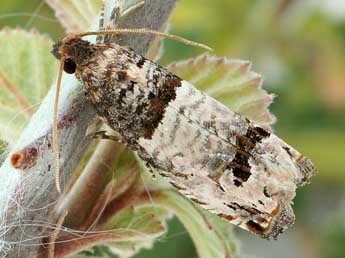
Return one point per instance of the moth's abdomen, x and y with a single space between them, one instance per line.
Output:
225 163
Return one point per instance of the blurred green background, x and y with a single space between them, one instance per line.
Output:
299 48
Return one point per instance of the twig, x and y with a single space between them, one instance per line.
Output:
30 194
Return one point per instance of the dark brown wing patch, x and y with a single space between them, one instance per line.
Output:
240 165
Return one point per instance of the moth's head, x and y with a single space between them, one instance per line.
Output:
74 52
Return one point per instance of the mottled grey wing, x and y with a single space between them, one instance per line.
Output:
226 164
212 155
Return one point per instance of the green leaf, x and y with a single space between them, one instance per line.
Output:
212 236
27 70
116 201
148 221
76 15
231 82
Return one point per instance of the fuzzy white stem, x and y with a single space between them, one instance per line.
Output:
28 193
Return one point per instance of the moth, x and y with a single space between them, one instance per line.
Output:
214 156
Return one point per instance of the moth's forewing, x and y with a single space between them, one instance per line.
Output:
212 155
225 163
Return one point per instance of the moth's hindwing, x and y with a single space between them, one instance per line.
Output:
212 155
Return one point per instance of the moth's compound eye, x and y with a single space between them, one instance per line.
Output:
69 66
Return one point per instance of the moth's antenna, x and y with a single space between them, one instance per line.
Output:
56 148
138 31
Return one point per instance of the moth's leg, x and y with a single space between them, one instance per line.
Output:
154 173
132 8
117 138
104 136
117 13
114 17
100 38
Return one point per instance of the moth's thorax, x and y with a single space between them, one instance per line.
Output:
128 90
77 49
